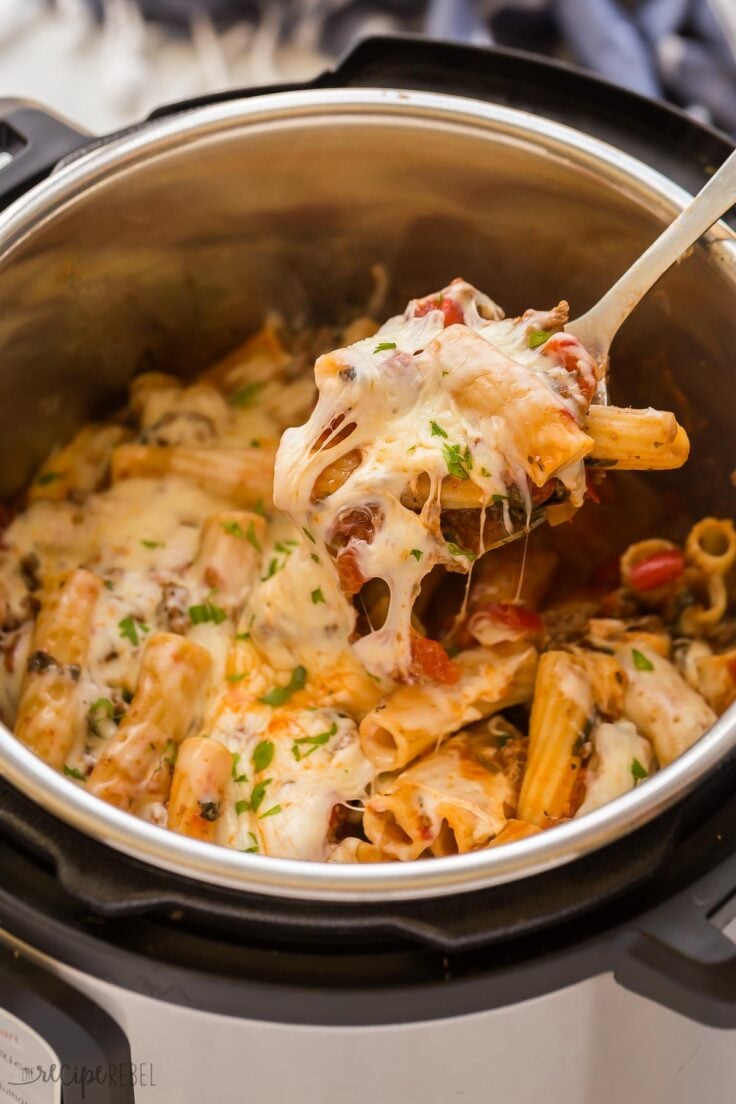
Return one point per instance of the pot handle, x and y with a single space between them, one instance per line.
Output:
36 140
677 953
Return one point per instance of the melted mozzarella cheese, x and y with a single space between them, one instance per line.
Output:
395 401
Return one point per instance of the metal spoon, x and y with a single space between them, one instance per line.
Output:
597 328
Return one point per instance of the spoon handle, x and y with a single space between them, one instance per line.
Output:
598 327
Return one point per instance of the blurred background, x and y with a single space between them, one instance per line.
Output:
106 63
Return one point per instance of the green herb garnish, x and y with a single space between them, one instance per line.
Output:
270 812
640 661
129 630
638 772
246 395
417 554
456 550
437 430
72 772
48 477
312 742
459 463
234 529
318 596
153 544
382 346
206 612
262 755
281 694
538 337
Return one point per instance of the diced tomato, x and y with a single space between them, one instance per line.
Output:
451 309
591 490
574 358
663 567
432 660
351 577
514 617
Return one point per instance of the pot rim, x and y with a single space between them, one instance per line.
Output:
300 879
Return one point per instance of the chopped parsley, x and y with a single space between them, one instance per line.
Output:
638 772
258 794
129 629
281 694
485 473
314 556
417 554
153 544
109 584
235 772
383 346
206 612
538 337
48 477
312 742
234 529
437 430
251 536
103 705
236 678
459 463
242 636
272 569
72 772
498 500
309 536
286 547
270 812
254 848
456 550
640 661
242 807
318 596
260 508
255 443
262 755
246 395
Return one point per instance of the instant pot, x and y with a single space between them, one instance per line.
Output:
586 964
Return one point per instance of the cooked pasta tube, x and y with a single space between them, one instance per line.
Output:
51 717
607 680
621 759
135 767
449 802
610 633
711 545
661 704
704 615
514 830
352 850
418 716
560 720
484 379
636 440
242 475
229 553
81 466
713 676
198 788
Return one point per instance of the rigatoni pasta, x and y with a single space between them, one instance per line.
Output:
340 659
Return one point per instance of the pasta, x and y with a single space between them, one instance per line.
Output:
326 649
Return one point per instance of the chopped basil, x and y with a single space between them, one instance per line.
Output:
640 661
270 812
129 629
318 596
206 612
72 772
312 742
281 694
153 544
437 430
538 337
459 463
262 755
246 395
456 550
382 346
234 529
48 477
417 554
638 772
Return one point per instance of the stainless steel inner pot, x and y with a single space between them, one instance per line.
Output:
165 247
